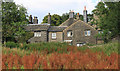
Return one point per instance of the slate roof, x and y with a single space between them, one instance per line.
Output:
47 27
56 29
69 22
37 27
80 21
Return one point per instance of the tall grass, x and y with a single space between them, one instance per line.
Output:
106 48
63 47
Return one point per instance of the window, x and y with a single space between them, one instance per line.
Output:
37 34
80 44
53 35
100 31
87 33
69 34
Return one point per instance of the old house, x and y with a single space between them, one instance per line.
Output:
73 31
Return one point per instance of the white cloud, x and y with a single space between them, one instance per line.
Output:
41 8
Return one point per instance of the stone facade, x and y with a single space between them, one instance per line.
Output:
73 31
78 33
59 37
42 38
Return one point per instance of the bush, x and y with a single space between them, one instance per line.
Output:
12 45
48 46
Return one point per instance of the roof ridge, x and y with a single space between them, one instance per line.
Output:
71 25
78 21
88 25
64 22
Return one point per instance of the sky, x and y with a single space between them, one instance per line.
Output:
41 8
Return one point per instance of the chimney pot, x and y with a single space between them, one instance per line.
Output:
84 7
85 15
77 16
30 19
49 18
71 14
35 20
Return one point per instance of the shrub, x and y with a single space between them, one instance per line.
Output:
12 44
48 47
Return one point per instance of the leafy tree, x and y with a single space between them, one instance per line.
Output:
55 20
112 19
13 19
64 17
108 19
90 17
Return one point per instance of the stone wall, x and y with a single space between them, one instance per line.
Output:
59 37
42 38
78 30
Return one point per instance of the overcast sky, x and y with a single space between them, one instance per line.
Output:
41 8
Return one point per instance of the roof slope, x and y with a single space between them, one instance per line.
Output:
80 22
36 27
56 28
69 22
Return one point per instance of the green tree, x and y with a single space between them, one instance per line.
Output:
13 19
90 17
108 19
55 20
112 19
64 17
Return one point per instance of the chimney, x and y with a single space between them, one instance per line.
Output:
30 19
77 16
49 18
71 14
35 20
85 15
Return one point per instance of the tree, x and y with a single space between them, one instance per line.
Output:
108 19
55 20
112 20
64 17
90 17
13 18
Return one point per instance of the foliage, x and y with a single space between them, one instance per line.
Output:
13 18
20 34
103 56
107 48
108 19
48 48
64 17
71 60
55 20
90 17
12 45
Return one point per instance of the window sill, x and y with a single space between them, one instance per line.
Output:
86 35
54 38
37 36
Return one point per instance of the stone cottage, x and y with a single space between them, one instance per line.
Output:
73 31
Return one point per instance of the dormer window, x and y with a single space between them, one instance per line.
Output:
69 34
87 32
37 34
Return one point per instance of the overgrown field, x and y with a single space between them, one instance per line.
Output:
60 56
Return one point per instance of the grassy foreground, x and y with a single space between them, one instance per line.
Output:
103 56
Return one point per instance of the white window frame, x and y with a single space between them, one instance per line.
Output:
80 44
69 34
37 34
87 32
100 32
54 36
